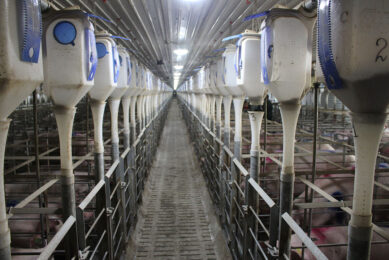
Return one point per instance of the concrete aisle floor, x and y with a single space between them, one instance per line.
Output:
177 218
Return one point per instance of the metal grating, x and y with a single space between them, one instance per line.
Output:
175 224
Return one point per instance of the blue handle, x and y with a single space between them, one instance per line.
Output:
218 50
250 17
98 17
116 65
90 41
326 56
232 37
120 37
31 27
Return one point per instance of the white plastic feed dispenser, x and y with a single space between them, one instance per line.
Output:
134 90
203 89
248 66
21 55
225 91
69 63
230 70
124 77
21 71
128 100
221 77
353 36
123 81
142 98
131 90
217 93
231 76
149 91
70 57
286 60
212 93
287 73
106 78
108 67
207 94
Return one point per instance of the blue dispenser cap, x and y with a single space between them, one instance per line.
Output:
65 33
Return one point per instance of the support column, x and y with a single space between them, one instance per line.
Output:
97 108
227 120
238 108
65 118
219 101
368 130
139 111
289 114
133 120
212 113
255 123
114 109
126 102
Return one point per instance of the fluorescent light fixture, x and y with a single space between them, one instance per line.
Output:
180 52
182 33
177 74
178 67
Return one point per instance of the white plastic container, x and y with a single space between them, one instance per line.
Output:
124 78
131 91
360 54
220 77
286 60
70 56
108 67
287 73
248 64
353 54
201 81
21 71
214 78
21 68
230 72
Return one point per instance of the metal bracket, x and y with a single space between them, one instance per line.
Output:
109 211
273 251
123 184
245 209
83 254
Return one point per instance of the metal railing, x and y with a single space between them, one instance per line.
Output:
106 217
250 218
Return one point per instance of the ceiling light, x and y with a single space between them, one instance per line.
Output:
182 33
178 67
180 52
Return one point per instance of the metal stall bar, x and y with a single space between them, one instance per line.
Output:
57 239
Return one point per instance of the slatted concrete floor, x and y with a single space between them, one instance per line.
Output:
177 219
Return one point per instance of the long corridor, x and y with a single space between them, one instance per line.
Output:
177 219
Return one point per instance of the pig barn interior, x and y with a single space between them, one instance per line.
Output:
194 129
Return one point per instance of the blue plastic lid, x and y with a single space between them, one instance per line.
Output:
101 50
65 33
